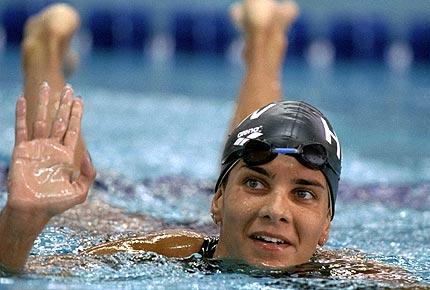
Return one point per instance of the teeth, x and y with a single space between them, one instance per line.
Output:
270 239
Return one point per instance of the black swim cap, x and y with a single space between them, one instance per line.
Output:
286 124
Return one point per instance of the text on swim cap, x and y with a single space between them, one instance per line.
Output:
249 131
329 135
248 134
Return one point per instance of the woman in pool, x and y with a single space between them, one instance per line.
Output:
274 199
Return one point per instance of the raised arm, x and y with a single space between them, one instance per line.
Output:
42 180
263 24
46 56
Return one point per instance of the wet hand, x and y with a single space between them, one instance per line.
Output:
42 178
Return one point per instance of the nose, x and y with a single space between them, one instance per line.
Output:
276 208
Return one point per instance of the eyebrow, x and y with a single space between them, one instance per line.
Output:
311 182
258 169
299 181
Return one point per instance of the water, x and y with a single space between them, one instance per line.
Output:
155 131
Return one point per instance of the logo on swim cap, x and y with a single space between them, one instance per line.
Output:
248 134
259 112
331 135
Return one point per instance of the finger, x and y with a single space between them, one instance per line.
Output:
74 128
40 126
63 114
82 185
20 121
87 168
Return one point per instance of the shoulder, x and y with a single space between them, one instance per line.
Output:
171 243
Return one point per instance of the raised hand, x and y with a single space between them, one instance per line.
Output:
263 24
42 178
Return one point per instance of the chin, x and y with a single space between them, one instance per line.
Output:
271 264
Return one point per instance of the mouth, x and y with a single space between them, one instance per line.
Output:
270 239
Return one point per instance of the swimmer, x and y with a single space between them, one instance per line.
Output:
275 196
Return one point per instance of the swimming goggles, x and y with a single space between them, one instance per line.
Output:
257 152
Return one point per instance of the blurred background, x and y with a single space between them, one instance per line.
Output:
146 64
159 80
395 30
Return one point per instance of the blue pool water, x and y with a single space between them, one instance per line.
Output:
155 130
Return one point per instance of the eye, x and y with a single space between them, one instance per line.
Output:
254 184
305 194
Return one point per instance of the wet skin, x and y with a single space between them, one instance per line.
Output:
272 215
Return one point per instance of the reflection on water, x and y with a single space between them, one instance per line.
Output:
119 208
329 267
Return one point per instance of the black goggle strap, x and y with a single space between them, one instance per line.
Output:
227 171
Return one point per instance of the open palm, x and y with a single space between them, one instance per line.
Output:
42 176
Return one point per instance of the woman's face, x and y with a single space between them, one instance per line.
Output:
272 215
